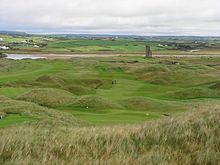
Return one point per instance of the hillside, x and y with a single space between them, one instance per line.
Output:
192 138
16 33
99 82
115 110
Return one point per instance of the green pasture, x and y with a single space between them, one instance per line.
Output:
72 45
107 45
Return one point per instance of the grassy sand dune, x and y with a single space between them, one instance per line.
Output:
215 86
150 105
14 110
196 92
48 97
71 112
192 138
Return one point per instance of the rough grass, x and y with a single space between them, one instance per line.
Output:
9 65
23 108
80 90
34 111
192 138
150 105
179 75
215 86
2 98
48 97
196 92
50 81
2 55
92 83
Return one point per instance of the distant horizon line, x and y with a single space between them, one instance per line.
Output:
105 34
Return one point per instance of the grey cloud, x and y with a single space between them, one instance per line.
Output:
144 17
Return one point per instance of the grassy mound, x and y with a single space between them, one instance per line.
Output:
153 68
2 55
152 73
147 104
215 85
7 65
48 97
2 98
79 90
192 138
30 111
173 74
196 92
94 102
21 107
50 80
92 83
3 114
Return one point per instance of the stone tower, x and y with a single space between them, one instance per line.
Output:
148 52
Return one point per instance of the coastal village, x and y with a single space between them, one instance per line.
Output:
8 44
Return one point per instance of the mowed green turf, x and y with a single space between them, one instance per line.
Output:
145 88
11 119
13 92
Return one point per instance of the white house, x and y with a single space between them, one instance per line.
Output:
194 51
4 48
24 42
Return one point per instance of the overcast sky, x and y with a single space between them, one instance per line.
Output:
141 17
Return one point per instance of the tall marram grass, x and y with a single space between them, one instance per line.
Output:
191 138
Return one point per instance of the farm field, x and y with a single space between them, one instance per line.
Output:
109 45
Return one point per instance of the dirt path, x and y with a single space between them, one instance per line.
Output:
67 56
189 55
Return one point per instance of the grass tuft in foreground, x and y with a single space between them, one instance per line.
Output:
192 138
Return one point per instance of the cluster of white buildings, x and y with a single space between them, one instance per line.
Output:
162 45
4 48
25 42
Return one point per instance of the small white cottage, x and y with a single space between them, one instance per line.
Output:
4 48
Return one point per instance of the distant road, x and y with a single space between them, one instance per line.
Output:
66 56
63 56
189 55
